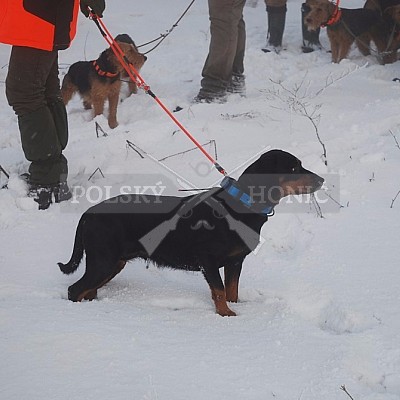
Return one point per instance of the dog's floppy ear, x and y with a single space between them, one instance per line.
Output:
389 11
262 177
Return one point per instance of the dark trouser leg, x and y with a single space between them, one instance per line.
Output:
227 46
310 38
276 27
33 90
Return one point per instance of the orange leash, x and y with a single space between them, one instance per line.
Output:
135 76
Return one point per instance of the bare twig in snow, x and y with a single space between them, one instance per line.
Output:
343 387
4 172
316 205
100 129
395 197
210 142
395 139
96 170
298 101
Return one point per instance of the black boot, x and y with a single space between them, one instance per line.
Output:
62 192
310 38
43 195
276 26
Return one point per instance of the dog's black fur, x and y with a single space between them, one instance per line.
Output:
203 232
386 33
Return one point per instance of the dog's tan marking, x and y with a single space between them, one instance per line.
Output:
221 307
232 289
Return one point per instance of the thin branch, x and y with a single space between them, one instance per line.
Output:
297 98
316 206
134 148
343 387
395 197
330 80
96 170
395 139
4 172
335 201
210 142
100 129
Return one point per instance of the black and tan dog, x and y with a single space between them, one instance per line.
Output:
385 34
99 80
344 26
204 232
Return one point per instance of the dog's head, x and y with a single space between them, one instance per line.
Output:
132 53
317 13
277 174
393 13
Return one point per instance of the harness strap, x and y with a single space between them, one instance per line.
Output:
104 73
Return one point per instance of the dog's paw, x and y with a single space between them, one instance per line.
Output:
112 124
226 312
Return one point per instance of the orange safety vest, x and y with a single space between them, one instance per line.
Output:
41 24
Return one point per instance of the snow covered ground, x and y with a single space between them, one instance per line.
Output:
319 302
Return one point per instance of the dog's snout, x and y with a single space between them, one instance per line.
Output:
319 181
144 57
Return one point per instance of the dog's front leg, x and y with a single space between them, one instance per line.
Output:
214 280
113 99
232 274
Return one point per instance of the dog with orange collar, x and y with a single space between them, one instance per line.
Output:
344 26
99 80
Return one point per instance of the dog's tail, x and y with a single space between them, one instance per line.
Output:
77 253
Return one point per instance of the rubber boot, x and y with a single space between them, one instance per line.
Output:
310 38
276 26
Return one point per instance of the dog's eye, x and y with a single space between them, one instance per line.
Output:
296 168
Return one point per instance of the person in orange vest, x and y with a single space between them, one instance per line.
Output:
37 29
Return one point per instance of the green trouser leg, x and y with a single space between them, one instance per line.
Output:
43 137
59 113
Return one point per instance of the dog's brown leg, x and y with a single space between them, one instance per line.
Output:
344 46
98 106
335 51
90 295
232 274
363 43
132 87
87 104
214 280
67 89
113 98
98 95
221 307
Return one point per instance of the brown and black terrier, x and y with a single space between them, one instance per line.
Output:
99 80
385 34
344 26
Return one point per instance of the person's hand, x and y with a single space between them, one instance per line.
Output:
97 6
